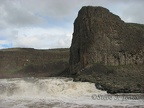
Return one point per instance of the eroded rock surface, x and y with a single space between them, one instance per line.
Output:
102 37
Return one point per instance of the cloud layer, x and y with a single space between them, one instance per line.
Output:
45 24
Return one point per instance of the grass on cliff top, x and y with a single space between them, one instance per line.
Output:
32 49
136 25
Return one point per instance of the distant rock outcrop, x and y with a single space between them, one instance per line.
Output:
29 62
102 37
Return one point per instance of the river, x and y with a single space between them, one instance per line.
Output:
61 93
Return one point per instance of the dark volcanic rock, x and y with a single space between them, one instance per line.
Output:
107 51
102 37
27 62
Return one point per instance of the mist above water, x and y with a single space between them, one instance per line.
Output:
44 88
57 93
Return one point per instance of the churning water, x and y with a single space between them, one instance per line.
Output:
61 93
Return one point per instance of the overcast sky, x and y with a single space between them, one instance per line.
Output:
46 24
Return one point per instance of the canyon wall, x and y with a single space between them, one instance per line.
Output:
102 37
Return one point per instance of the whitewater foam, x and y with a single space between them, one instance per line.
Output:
42 88
56 93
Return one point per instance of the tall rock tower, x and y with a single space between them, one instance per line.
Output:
102 37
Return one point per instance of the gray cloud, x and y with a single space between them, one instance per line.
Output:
51 8
20 18
13 14
21 13
134 12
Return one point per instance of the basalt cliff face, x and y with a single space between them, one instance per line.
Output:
102 37
29 62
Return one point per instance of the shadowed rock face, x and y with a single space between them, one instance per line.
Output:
102 37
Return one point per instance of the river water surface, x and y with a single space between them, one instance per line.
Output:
61 93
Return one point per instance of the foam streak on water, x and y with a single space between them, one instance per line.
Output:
59 93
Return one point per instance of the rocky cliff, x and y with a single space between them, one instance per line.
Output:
102 37
29 62
107 51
